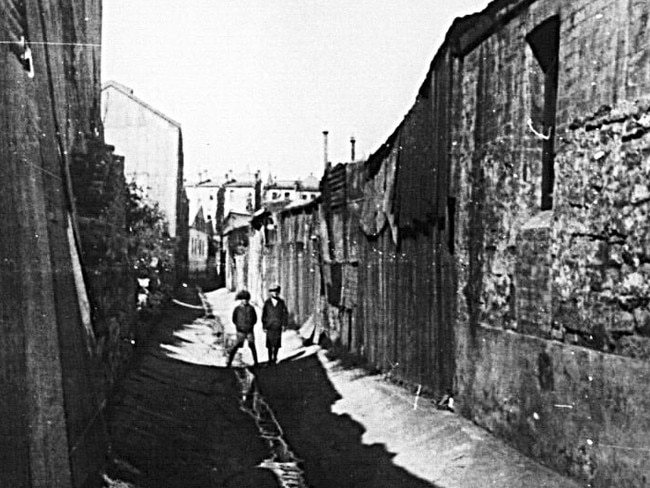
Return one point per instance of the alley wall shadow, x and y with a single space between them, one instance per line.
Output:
175 424
329 445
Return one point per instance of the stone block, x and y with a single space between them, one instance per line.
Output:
642 321
622 322
597 337
572 338
557 333
634 347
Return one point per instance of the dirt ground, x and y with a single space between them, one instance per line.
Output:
184 420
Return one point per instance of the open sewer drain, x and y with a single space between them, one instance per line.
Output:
282 461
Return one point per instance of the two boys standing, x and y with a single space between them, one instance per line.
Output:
275 317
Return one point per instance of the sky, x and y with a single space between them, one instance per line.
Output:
254 83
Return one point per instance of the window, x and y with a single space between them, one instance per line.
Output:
286 195
274 195
303 196
544 41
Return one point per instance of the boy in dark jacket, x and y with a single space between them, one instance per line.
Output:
244 317
275 317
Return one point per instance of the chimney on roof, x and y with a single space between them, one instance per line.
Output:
353 141
325 146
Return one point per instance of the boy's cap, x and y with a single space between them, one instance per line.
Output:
243 295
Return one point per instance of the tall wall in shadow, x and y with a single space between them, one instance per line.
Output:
52 429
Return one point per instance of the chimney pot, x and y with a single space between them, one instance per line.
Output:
325 133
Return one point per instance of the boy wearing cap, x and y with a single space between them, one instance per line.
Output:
244 317
275 317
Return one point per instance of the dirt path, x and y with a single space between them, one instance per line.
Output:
182 420
330 445
180 424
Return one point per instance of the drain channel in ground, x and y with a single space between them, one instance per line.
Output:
282 461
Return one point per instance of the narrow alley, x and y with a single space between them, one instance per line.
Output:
182 419
440 209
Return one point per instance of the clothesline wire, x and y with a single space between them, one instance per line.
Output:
81 44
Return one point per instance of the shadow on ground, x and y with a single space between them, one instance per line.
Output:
179 425
329 445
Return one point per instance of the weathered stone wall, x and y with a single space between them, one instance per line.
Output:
601 270
101 199
552 322
583 412
497 169
603 55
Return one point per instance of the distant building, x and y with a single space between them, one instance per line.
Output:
241 193
205 195
237 199
291 190
152 145
200 235
235 244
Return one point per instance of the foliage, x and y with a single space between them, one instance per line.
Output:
149 243
121 239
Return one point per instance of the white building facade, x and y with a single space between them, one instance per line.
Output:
152 146
291 190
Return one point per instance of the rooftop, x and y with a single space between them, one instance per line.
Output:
311 183
239 180
125 90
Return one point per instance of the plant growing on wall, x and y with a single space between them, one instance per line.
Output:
148 232
151 250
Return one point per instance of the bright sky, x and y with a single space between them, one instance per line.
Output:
254 83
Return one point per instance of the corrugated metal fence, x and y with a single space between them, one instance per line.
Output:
377 247
284 249
387 242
